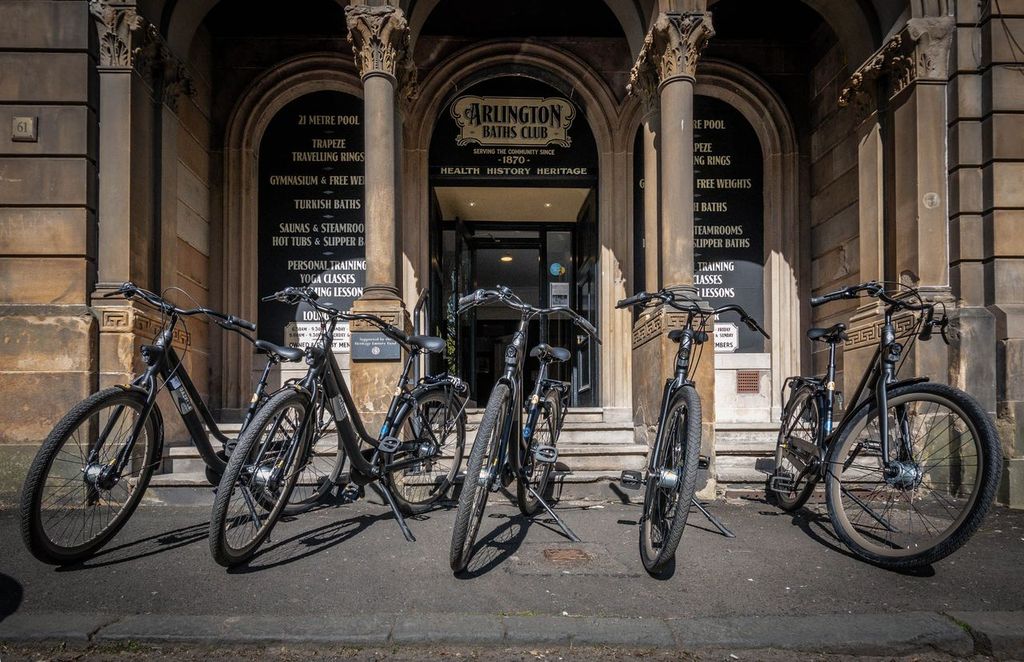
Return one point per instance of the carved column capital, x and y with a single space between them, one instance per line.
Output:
927 43
381 44
919 52
118 26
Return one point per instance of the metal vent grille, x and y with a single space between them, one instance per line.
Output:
748 381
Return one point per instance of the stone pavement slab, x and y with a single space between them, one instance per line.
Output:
851 634
354 630
999 633
71 627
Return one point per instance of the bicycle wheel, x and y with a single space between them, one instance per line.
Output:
800 423
72 504
941 476
672 483
538 474
482 460
323 464
437 428
259 478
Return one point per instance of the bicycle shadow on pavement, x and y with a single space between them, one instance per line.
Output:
11 594
302 545
497 546
817 526
141 548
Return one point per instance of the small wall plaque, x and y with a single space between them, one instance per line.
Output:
375 347
24 129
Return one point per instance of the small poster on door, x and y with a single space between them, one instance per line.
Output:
558 295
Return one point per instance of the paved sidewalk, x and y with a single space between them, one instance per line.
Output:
345 576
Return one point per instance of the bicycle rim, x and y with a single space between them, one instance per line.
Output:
262 481
936 449
70 514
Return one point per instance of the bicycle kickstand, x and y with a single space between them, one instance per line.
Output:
397 513
558 520
724 530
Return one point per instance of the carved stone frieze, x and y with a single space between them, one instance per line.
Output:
381 44
128 319
918 52
671 49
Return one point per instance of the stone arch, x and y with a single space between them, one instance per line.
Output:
602 114
628 13
246 125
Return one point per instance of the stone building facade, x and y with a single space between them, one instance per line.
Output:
758 152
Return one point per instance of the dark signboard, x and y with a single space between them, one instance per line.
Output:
728 209
311 230
512 129
375 346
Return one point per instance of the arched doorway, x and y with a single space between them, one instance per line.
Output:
513 201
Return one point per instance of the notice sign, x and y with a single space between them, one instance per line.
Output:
727 337
311 229
375 347
513 129
728 215
513 121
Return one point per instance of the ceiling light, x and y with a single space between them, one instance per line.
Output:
547 204
506 258
472 204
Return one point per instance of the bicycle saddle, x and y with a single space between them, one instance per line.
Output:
427 343
547 353
831 335
282 353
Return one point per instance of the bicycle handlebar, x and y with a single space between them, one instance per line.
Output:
510 299
130 290
673 299
877 290
294 295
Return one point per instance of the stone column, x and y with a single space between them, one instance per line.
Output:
121 34
665 70
900 96
380 42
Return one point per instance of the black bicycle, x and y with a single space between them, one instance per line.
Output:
91 472
905 489
673 461
494 459
415 458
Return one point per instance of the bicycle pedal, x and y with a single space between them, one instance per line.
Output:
631 480
765 465
545 454
703 462
352 493
389 444
781 483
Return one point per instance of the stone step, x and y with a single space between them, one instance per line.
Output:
574 415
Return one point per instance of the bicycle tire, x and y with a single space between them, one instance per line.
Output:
800 416
473 498
923 478
684 418
544 433
325 459
36 529
252 461
416 489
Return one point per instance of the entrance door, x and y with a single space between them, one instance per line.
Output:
537 263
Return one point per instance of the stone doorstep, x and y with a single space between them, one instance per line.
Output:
958 634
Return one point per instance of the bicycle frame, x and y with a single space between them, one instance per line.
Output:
873 388
161 360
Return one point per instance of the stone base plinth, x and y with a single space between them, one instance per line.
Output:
373 382
654 358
